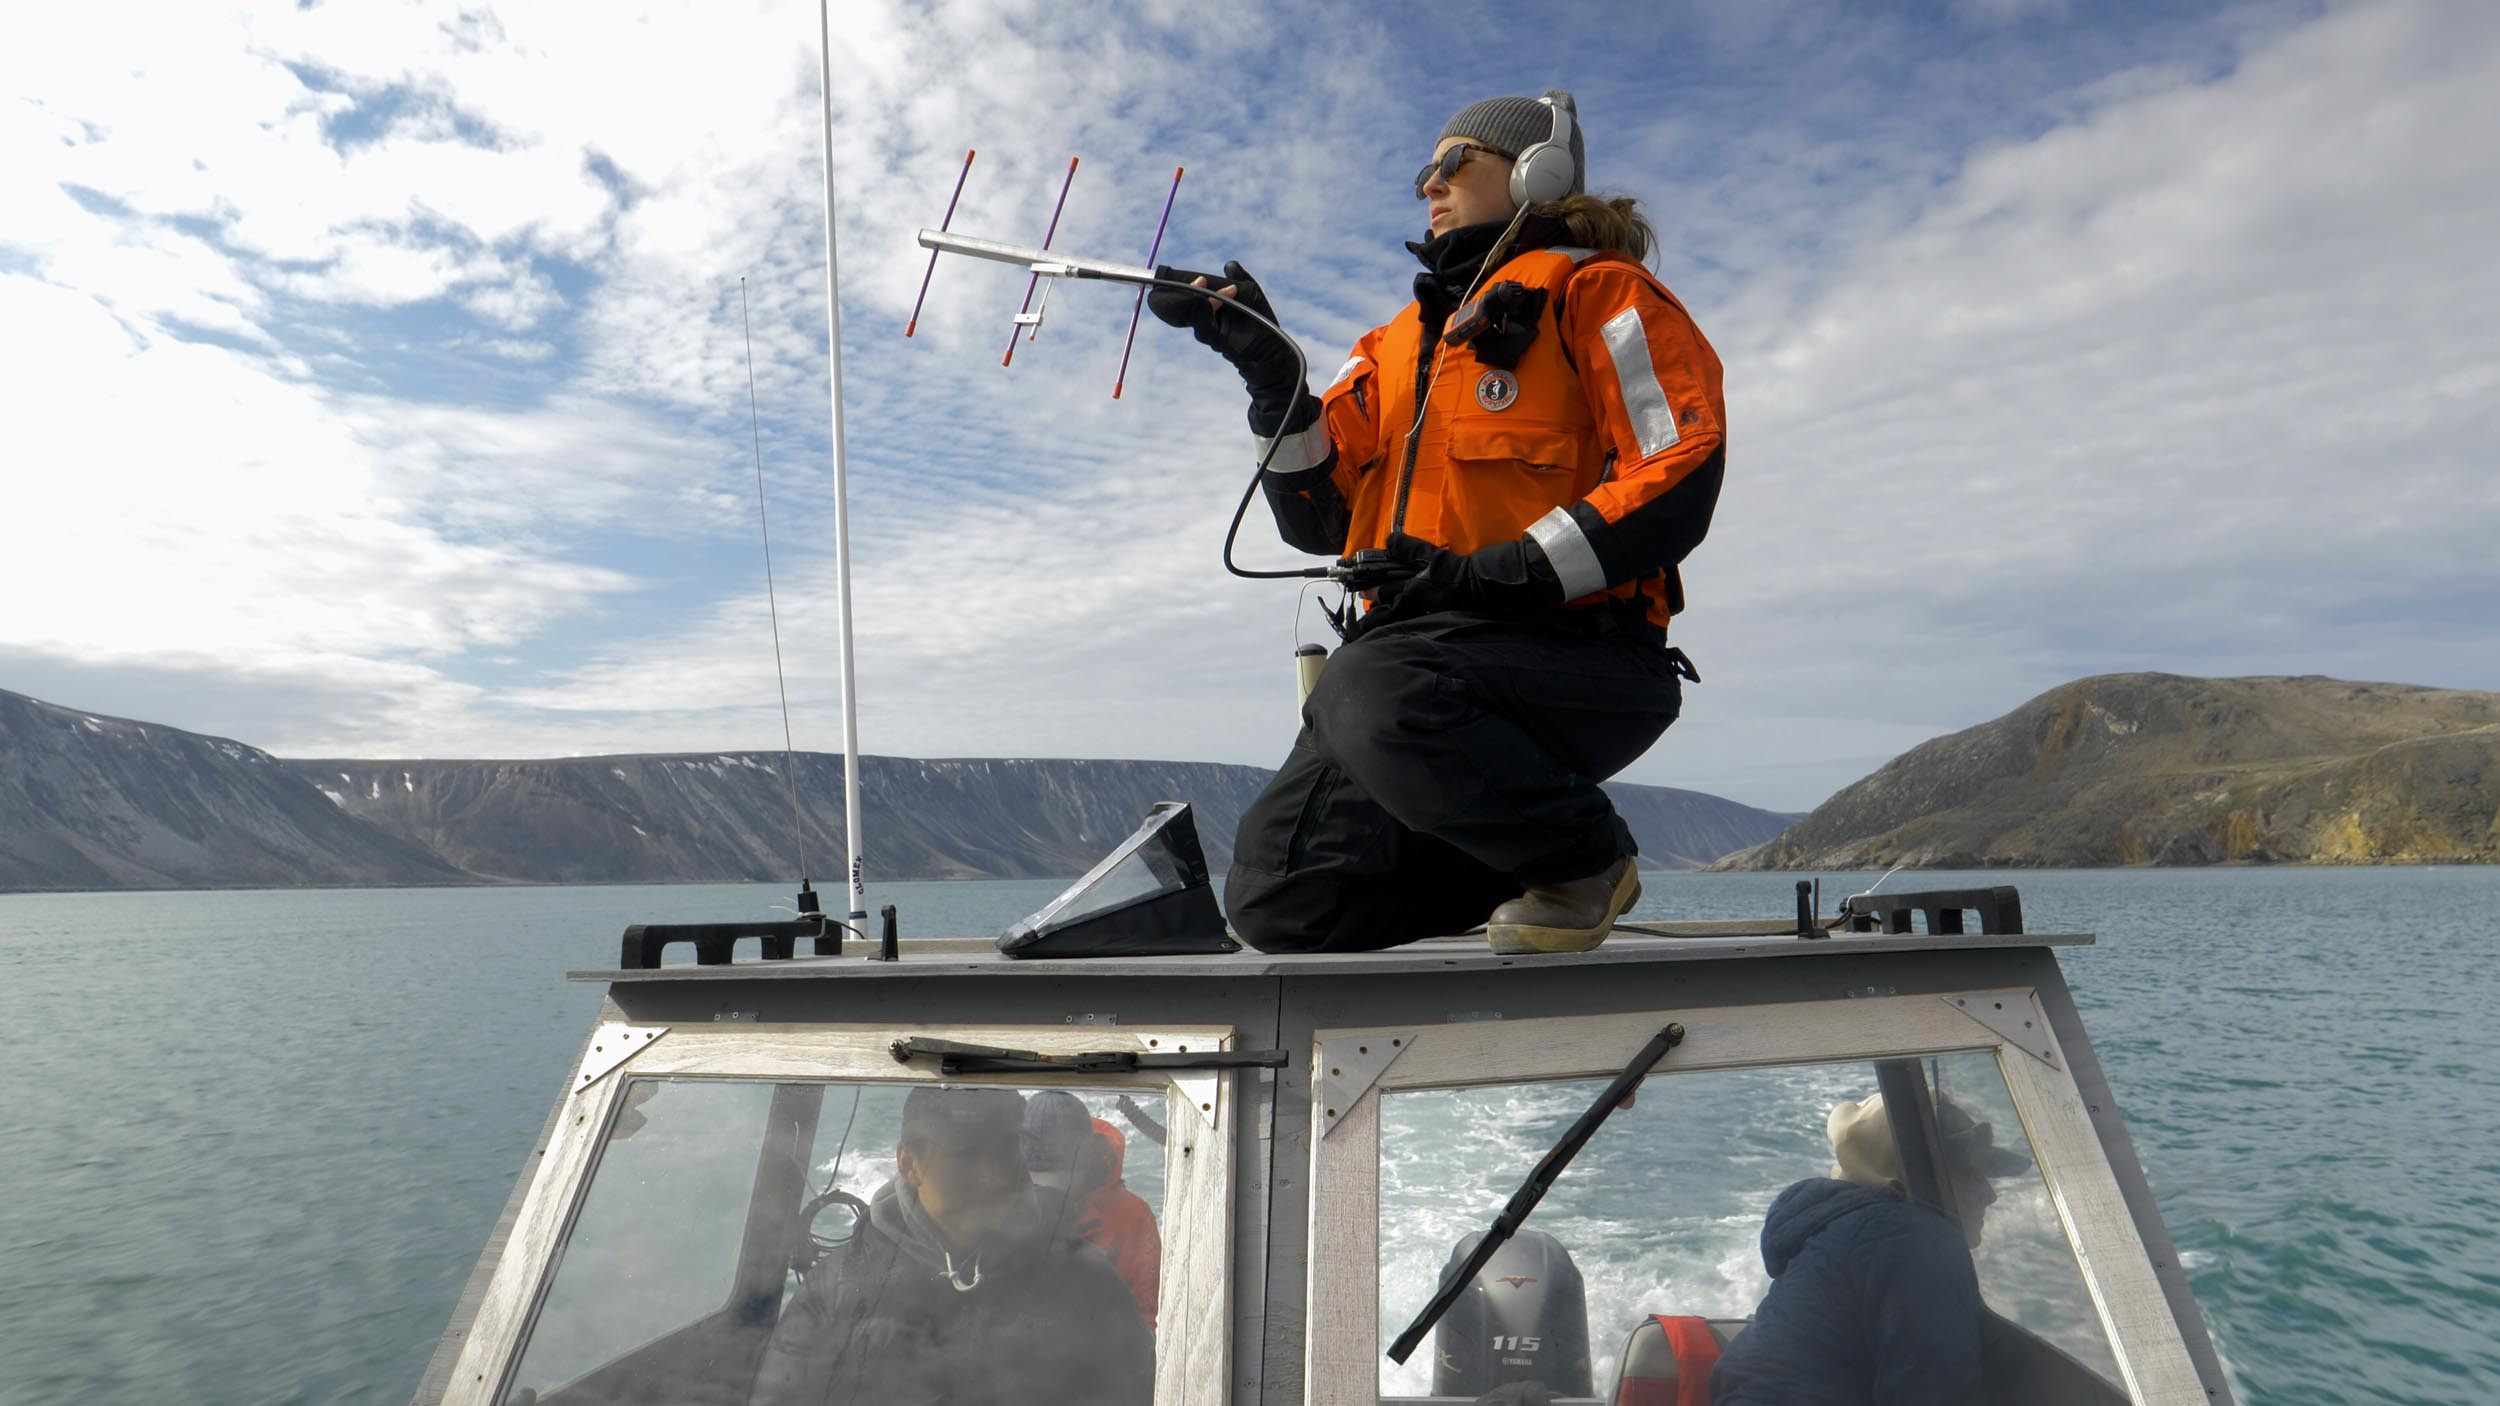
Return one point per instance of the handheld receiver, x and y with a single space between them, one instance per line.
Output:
1367 568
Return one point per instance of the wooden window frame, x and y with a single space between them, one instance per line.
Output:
1342 1351
1192 1344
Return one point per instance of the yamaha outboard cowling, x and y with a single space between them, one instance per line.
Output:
1525 1319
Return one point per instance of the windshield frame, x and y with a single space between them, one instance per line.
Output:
1343 1347
1200 1107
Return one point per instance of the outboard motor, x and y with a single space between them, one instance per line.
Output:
1525 1319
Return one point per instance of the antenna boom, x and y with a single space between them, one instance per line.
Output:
1043 262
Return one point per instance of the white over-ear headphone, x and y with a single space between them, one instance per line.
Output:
1547 170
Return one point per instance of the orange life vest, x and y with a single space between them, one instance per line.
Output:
1615 403
1118 1222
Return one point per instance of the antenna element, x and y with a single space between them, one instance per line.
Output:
1028 316
931 272
1152 250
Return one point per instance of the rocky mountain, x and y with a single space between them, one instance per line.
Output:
2160 769
90 802
689 818
94 802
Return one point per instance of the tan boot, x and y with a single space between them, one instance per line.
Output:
1571 917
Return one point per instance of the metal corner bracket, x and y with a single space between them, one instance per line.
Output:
1347 1068
1202 1089
613 1043
2014 1015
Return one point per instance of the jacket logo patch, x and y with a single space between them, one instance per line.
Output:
1497 390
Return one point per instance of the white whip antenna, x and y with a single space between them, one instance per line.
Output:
841 499
772 602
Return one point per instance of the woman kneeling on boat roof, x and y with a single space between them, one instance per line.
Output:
1566 458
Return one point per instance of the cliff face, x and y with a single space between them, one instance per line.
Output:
2160 769
719 816
91 802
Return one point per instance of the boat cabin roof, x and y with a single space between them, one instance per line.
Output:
1630 944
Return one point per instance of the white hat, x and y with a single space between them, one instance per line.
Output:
1864 1152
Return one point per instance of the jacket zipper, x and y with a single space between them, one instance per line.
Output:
1415 439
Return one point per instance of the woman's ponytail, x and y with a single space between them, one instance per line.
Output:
1613 224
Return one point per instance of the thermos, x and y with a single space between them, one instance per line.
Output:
1308 660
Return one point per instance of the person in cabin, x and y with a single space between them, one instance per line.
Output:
1873 1297
960 1285
1076 1161
1538 439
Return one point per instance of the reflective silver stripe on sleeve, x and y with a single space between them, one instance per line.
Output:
1567 547
1352 365
1653 420
1573 252
1307 449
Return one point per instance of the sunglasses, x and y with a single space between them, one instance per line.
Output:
1446 165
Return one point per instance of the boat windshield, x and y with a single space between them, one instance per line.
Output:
1650 1253
785 1242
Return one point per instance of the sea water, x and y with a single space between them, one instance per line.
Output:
251 1143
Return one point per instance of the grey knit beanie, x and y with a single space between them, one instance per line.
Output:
1512 125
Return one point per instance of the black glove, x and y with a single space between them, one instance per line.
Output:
1265 360
1507 578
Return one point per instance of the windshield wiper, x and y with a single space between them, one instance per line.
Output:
956 1058
1530 1192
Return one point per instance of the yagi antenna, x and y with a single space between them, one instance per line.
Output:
1361 571
1045 263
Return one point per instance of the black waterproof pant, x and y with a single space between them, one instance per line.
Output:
1446 763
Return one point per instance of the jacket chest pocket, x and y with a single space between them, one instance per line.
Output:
1487 444
1505 474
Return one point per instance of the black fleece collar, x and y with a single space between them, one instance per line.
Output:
1451 261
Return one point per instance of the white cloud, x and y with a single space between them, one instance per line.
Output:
568 465
515 348
201 114
322 704
516 303
383 269
168 496
2010 11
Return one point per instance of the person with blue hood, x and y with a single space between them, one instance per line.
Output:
961 1284
1873 1297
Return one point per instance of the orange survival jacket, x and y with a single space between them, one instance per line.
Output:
1606 444
1118 1222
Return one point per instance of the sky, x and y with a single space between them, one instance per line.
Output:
375 378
